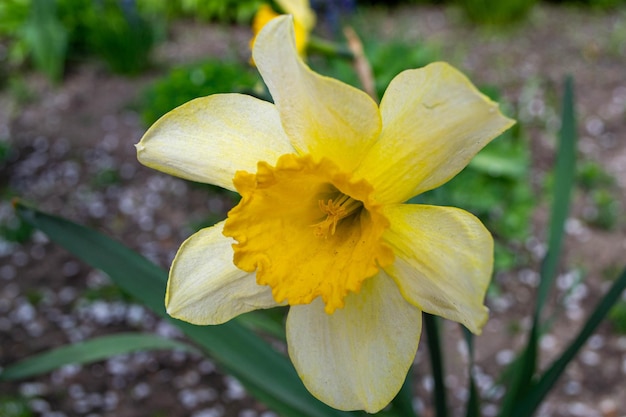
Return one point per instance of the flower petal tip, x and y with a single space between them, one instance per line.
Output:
478 326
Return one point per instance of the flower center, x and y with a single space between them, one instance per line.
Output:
335 210
272 226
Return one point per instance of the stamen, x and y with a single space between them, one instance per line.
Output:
343 207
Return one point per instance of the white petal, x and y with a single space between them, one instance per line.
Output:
356 358
204 285
210 138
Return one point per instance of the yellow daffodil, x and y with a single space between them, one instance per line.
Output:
303 20
321 226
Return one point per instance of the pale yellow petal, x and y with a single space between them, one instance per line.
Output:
444 260
204 285
208 139
434 122
301 11
322 116
356 358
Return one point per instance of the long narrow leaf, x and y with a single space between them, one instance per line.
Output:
263 321
243 354
539 390
473 401
565 171
526 364
89 351
431 325
522 371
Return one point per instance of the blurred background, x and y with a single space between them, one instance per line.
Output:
81 81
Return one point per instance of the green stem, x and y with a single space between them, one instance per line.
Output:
331 49
431 325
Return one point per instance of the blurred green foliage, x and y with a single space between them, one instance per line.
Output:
617 316
5 152
12 228
46 38
15 230
483 4
121 36
590 175
14 407
50 33
595 4
496 12
599 190
192 81
387 60
108 292
32 31
240 11
47 33
605 210
105 178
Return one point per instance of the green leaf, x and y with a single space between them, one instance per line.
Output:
270 322
47 38
499 165
473 401
261 369
528 405
431 325
525 365
89 351
565 175
521 371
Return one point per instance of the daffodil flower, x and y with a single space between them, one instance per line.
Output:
303 20
322 225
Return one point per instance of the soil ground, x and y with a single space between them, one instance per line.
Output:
66 137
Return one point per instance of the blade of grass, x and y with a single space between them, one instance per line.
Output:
565 166
259 367
90 351
540 389
431 325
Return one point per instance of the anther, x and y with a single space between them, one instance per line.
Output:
335 211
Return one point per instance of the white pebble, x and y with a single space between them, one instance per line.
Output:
141 390
234 389
547 342
210 412
572 388
8 272
504 357
596 342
